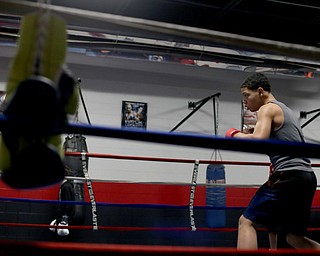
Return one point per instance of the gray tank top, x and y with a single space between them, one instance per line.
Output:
290 130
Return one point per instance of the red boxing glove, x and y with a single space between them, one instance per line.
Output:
231 132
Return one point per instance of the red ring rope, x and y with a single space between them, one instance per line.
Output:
164 159
128 228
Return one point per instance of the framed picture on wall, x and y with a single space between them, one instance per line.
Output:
134 114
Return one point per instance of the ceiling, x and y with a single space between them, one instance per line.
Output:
280 34
292 21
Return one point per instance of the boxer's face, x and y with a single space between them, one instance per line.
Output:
251 99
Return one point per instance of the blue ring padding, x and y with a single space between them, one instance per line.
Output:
268 147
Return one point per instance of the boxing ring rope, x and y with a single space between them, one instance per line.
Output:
127 228
165 159
160 229
145 158
267 147
257 146
123 228
192 140
52 249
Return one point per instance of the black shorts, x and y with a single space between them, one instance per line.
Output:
284 202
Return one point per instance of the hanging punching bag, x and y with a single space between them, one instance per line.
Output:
76 143
216 196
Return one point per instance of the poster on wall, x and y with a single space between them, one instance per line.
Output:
249 120
134 115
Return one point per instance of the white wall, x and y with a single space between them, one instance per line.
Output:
167 88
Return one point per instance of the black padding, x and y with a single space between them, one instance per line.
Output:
34 107
33 112
37 165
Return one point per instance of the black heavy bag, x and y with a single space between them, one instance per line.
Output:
76 143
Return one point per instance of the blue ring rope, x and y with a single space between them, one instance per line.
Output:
268 147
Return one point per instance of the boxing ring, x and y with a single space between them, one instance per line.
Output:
139 224
129 219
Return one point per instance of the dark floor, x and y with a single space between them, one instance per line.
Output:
129 217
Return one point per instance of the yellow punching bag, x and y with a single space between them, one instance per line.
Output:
40 93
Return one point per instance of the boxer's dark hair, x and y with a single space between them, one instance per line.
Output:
256 80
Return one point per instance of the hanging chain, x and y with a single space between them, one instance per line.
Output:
42 34
216 125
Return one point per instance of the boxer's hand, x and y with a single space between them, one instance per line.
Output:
231 132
